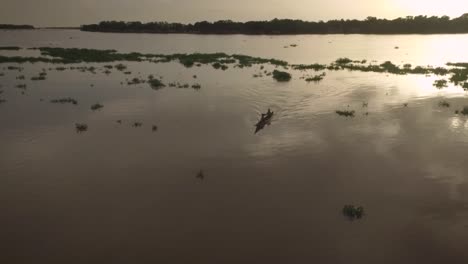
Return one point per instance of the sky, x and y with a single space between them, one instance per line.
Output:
78 12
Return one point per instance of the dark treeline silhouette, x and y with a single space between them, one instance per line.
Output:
372 25
9 26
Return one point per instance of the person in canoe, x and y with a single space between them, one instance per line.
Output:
264 120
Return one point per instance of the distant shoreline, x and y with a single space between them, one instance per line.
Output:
372 25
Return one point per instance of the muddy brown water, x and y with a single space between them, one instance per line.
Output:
120 194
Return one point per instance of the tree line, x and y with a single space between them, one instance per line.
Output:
371 25
10 26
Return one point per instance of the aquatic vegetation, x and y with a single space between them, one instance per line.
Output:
186 85
346 113
10 48
465 86
440 84
127 72
121 67
95 107
195 77
15 68
119 121
200 175
365 104
281 76
109 67
38 78
444 104
459 76
21 86
64 101
2 101
217 65
21 77
315 67
343 61
60 68
135 81
405 105
137 124
316 78
154 128
464 111
107 72
156 84
2 74
457 112
353 212
81 128
196 86
293 45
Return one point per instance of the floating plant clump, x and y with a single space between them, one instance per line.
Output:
353 212
95 107
281 76
64 101
444 104
346 113
156 83
440 84
81 127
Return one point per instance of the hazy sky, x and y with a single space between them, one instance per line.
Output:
77 12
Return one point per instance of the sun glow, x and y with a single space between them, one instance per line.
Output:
451 8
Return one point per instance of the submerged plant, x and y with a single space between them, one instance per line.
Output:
353 212
21 77
281 76
120 67
95 107
200 175
21 86
464 111
154 128
196 86
346 113
81 128
137 124
64 101
444 104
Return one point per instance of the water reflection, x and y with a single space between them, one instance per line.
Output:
278 191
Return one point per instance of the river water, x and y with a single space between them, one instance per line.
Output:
120 194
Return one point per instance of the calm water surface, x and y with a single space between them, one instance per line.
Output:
118 194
